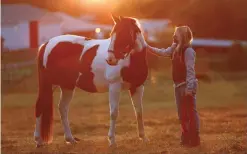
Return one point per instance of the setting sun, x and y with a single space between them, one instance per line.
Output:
95 1
99 5
97 30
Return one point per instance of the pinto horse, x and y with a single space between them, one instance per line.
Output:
97 66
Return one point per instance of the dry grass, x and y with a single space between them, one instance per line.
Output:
221 105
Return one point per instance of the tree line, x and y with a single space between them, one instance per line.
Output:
220 19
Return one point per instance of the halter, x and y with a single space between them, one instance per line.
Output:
128 49
124 51
121 54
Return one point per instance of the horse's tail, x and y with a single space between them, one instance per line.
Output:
44 104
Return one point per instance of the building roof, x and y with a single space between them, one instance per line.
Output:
13 14
17 13
154 24
215 42
70 24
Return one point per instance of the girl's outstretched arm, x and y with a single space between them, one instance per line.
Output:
162 52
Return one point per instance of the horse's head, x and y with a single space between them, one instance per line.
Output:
124 37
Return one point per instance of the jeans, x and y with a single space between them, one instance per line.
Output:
186 108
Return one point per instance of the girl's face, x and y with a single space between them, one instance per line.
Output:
177 38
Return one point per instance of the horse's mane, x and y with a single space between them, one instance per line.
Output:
130 21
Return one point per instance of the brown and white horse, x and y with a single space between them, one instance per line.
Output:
108 65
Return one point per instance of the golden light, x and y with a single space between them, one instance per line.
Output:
153 79
98 5
94 1
97 30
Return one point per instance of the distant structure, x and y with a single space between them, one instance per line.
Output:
29 26
153 26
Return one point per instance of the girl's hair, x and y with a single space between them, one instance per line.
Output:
186 34
187 38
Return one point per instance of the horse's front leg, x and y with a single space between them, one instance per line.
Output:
136 97
66 96
114 95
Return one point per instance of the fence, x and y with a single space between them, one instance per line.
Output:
19 68
16 67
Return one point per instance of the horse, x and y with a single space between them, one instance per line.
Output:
110 65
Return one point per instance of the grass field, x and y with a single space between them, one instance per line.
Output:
221 105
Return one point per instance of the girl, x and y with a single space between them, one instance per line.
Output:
185 83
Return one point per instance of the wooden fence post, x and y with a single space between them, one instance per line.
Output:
33 34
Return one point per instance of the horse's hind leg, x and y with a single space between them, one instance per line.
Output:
65 98
136 97
37 138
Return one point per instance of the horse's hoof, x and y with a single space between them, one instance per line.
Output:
72 140
39 142
112 142
113 146
77 139
144 139
39 145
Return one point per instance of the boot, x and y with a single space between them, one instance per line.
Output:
195 139
185 140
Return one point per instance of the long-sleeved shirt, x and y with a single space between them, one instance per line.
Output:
162 52
189 58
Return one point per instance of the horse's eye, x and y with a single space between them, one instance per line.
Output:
124 52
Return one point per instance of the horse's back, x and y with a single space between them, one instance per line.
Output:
77 61
70 44
94 64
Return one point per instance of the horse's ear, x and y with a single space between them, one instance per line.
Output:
121 17
115 18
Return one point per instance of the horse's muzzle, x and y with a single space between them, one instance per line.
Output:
111 62
111 59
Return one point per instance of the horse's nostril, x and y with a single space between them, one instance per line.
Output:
109 61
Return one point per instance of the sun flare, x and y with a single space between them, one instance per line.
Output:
94 1
97 30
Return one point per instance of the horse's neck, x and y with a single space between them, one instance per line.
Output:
137 71
139 55
140 43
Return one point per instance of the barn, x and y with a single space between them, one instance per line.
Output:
29 26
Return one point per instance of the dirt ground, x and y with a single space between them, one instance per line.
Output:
221 106
223 131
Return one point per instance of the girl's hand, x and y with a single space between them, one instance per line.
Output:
174 45
148 48
188 92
